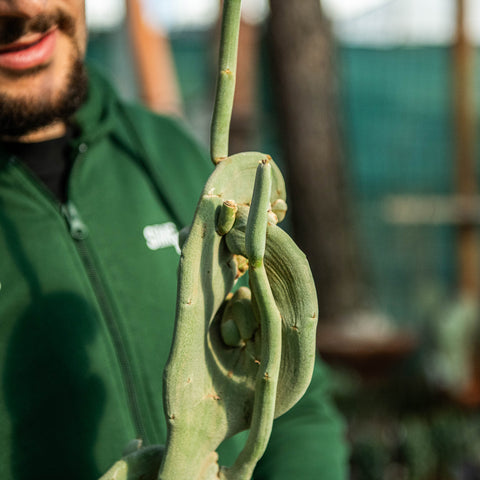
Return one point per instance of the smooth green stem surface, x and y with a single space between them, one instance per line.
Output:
226 217
222 112
271 332
255 234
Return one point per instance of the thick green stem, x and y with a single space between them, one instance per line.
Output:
257 219
271 332
226 217
226 80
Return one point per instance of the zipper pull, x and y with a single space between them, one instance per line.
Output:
78 230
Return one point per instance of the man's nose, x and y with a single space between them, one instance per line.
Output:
22 8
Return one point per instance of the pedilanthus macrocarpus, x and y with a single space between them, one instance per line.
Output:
237 360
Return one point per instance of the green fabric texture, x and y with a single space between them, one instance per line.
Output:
87 304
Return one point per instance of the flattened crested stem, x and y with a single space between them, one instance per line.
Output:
222 111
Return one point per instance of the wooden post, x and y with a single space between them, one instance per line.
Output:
154 63
305 82
468 258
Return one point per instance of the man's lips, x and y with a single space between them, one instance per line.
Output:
29 52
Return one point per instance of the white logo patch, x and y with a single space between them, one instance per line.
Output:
161 236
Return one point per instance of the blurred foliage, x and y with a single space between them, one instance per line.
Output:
400 428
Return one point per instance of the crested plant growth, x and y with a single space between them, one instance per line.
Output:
238 360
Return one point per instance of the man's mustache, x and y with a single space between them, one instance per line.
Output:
13 28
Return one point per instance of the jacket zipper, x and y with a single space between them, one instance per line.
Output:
79 233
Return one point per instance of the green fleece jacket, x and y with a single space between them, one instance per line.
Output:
87 305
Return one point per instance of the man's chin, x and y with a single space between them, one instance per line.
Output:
24 115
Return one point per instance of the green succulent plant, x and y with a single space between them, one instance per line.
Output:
238 360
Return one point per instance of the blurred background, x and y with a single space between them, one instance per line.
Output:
370 107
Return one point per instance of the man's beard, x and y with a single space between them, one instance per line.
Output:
26 114
19 116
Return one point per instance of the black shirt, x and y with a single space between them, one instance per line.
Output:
49 160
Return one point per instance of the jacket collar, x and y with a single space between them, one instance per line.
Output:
96 117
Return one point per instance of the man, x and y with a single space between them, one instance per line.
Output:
92 192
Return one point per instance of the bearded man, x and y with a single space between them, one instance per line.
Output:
92 193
